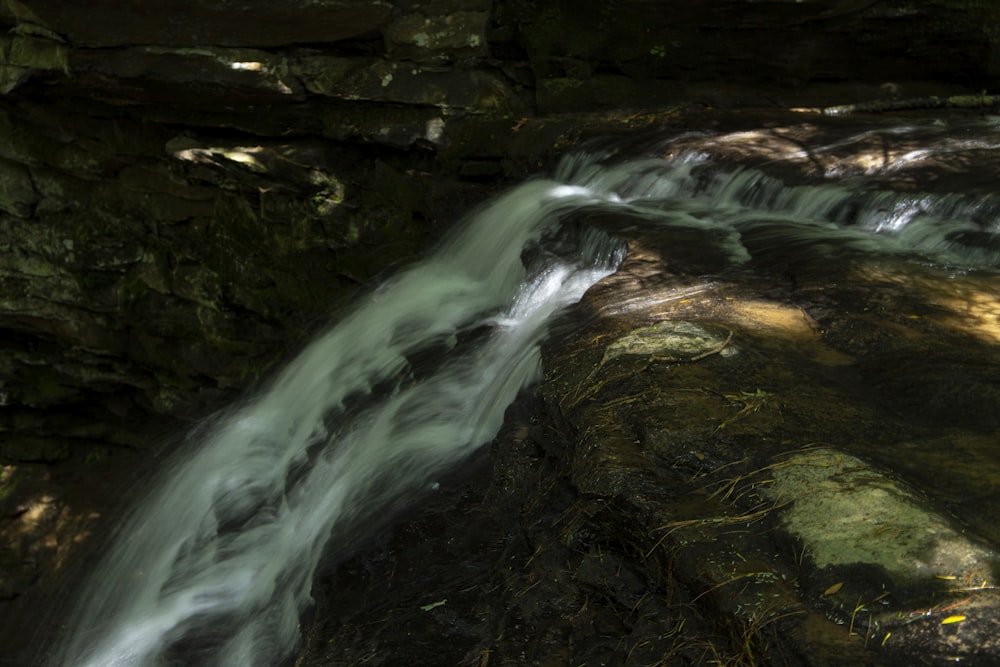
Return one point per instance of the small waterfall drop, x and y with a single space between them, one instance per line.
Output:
950 229
216 566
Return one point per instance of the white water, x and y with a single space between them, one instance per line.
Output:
216 566
953 230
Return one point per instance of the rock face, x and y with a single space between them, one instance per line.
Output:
188 189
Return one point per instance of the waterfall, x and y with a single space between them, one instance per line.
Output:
216 565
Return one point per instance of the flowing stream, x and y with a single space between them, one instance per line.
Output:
215 567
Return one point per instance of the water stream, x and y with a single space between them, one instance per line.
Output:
215 567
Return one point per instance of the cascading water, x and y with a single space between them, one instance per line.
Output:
746 204
216 565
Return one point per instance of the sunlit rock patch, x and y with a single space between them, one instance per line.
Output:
967 302
897 568
847 512
40 533
669 341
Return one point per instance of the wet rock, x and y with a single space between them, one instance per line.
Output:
871 533
653 460
846 512
669 341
